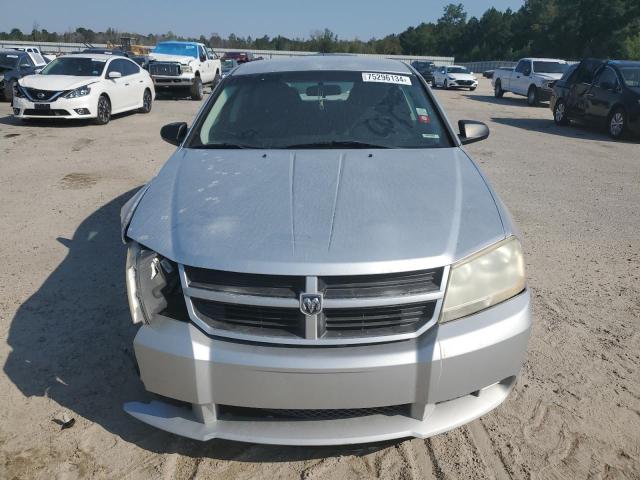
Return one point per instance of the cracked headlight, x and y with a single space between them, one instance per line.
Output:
153 286
484 279
78 92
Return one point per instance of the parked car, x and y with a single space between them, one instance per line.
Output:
227 66
605 93
320 262
85 86
240 57
532 77
14 65
35 54
454 76
106 51
425 69
184 65
488 73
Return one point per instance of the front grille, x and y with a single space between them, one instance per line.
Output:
243 413
54 112
354 308
250 319
164 68
41 95
386 320
392 284
464 82
281 286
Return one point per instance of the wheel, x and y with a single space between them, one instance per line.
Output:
532 96
147 101
216 81
8 90
197 92
104 111
617 123
446 85
560 113
497 89
434 84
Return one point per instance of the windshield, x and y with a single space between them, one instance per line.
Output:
184 49
631 76
457 70
321 110
550 67
228 65
75 66
8 60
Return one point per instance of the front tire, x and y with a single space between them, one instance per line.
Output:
532 96
497 89
197 90
104 111
147 101
617 124
472 89
446 85
8 90
560 113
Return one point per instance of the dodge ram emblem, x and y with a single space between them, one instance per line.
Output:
311 303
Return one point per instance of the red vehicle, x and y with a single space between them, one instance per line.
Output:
240 57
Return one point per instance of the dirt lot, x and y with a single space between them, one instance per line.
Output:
65 345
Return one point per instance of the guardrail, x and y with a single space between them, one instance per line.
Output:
62 47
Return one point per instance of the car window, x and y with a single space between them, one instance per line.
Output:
322 109
550 67
25 61
171 48
130 68
570 74
457 70
521 66
202 52
75 66
8 60
607 79
116 65
631 76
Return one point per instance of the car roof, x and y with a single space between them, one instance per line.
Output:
536 59
12 51
97 56
324 62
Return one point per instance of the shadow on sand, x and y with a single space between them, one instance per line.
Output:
71 341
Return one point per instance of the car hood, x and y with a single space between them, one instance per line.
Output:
163 57
317 212
461 76
549 76
56 82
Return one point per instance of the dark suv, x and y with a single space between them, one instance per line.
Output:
14 64
602 92
425 69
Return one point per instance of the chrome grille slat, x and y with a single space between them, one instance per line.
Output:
266 308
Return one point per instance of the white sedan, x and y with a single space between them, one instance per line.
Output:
454 76
84 86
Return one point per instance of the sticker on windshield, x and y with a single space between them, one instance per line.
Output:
386 78
434 136
12 56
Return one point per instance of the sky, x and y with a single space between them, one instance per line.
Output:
347 18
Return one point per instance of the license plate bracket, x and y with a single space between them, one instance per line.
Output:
42 106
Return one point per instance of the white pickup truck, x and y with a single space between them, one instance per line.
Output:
180 65
532 77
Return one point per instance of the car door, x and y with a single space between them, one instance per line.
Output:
521 77
603 94
440 75
136 84
206 66
118 88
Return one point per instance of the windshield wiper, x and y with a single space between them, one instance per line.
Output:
334 144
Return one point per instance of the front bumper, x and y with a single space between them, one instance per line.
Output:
168 81
450 375
462 84
69 108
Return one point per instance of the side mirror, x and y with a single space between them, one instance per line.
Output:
472 131
203 58
174 133
114 75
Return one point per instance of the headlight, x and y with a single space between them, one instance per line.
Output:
186 69
78 92
451 78
484 279
153 286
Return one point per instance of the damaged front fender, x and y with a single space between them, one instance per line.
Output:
128 209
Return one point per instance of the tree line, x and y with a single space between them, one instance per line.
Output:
554 28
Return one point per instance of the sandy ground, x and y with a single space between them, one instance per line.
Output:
65 334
